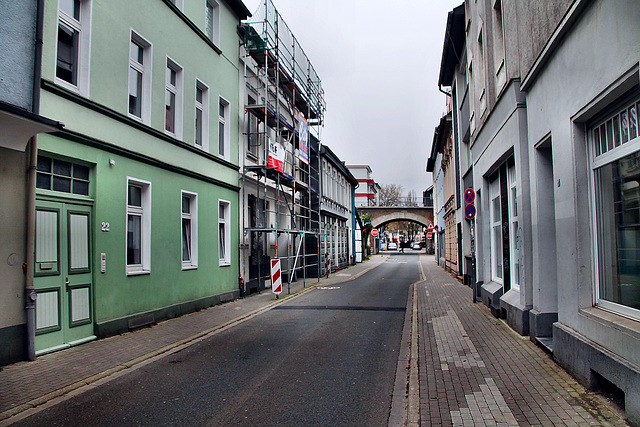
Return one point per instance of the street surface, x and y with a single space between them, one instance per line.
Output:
334 355
328 357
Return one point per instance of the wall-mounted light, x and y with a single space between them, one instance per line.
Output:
112 162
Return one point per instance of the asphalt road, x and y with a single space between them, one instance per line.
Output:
327 357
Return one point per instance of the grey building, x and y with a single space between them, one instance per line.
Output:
545 112
580 73
498 147
20 58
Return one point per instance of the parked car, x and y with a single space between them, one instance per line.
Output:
392 246
416 246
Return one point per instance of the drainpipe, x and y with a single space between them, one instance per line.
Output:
29 267
353 221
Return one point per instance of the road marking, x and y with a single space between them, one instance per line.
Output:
329 287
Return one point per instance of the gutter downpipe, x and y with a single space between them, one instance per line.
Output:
30 293
354 220
445 92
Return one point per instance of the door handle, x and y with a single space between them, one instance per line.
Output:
67 283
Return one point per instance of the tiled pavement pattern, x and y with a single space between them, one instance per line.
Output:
475 371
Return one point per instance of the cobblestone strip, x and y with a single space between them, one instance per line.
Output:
475 371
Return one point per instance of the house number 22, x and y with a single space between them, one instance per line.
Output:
105 226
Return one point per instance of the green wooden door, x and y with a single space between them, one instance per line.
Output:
63 276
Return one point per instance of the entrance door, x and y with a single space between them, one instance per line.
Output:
63 276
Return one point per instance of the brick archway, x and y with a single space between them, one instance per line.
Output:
383 214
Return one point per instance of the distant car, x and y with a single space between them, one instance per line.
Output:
416 246
391 246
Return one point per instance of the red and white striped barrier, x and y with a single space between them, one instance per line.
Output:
276 279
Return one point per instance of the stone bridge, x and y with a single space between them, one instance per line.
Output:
381 215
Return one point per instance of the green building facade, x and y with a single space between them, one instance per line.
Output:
136 197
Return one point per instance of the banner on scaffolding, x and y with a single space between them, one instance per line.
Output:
276 156
303 137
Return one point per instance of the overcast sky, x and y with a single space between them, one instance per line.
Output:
379 64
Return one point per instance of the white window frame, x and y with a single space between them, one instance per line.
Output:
252 129
83 57
599 158
144 212
224 238
203 107
213 21
192 217
515 239
177 90
179 4
146 70
223 120
495 223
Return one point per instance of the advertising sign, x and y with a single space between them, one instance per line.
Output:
303 135
276 156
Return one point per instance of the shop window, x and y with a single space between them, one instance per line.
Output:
616 177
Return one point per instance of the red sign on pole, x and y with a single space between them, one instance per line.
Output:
430 227
374 232
429 235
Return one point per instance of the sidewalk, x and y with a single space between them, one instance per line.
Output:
475 371
25 385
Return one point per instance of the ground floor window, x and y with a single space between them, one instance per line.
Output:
496 230
615 149
506 236
189 226
138 226
224 232
60 175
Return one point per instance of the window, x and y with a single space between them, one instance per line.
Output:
212 21
480 78
224 232
60 175
223 129
138 226
201 132
73 48
253 141
189 230
616 177
179 3
498 45
515 237
140 78
496 230
173 99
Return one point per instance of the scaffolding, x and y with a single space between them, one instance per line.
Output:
284 114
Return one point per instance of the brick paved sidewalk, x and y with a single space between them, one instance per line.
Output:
475 371
26 385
